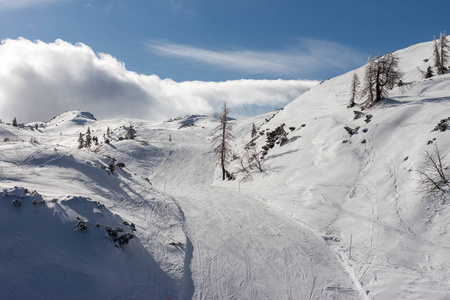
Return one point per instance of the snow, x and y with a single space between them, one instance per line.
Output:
279 234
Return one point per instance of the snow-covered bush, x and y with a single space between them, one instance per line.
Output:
81 225
118 240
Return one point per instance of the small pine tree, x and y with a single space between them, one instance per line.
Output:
254 131
131 133
87 142
429 73
108 131
355 89
14 122
112 165
80 141
170 138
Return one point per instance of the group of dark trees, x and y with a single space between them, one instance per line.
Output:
87 140
440 53
382 73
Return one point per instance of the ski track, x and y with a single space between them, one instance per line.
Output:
284 261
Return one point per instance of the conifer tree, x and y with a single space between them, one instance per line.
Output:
355 89
221 140
254 131
80 141
131 133
87 142
14 122
429 72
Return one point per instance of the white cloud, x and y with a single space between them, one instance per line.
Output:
40 80
12 4
305 59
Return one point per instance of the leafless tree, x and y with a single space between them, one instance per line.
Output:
221 140
381 75
250 161
354 91
440 53
432 172
254 131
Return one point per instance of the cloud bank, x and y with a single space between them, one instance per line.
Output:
308 57
40 80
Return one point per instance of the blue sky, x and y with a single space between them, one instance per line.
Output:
229 39
157 59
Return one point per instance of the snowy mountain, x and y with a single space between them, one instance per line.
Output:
283 233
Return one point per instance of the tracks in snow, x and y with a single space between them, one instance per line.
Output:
245 250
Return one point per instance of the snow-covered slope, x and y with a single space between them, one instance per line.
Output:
366 185
279 234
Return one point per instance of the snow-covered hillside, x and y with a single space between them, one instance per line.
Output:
283 233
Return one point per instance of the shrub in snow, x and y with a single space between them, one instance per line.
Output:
16 202
278 134
35 202
368 118
178 244
118 240
6 140
351 131
433 173
358 114
54 200
81 225
121 165
123 240
443 125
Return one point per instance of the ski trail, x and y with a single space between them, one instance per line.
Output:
243 250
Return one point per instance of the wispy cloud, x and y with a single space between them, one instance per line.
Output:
307 57
40 80
14 4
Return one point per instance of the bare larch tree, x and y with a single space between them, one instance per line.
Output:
221 140
354 91
381 75
440 53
